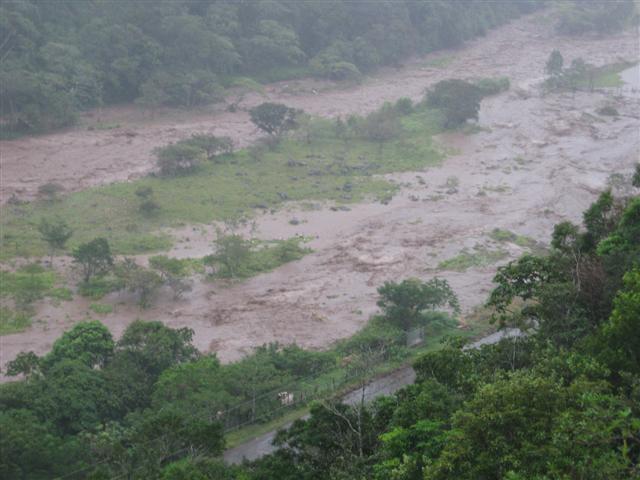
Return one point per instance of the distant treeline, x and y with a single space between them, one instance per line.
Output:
60 57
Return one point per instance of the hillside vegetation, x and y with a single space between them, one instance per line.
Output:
62 57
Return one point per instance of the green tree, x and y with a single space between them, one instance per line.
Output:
178 159
25 363
94 258
274 118
55 234
154 347
554 64
89 342
404 304
458 100
137 279
231 254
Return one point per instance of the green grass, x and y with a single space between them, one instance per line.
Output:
21 288
13 322
500 235
439 62
326 168
479 257
101 308
607 76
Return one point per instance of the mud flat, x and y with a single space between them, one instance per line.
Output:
536 160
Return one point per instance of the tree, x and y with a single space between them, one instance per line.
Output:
25 363
404 304
382 126
89 342
155 347
178 159
635 180
172 271
55 234
232 252
140 280
148 206
94 258
554 64
457 99
274 118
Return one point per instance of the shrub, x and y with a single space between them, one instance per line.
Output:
492 86
178 159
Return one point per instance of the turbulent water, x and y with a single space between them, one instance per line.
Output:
537 160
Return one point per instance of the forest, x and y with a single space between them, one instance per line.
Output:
59 58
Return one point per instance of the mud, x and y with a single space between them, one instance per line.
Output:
537 160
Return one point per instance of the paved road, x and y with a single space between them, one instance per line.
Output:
387 385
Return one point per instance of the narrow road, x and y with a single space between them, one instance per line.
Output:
386 385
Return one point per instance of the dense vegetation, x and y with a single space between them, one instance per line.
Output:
561 402
96 408
61 57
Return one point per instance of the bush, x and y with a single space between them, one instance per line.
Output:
404 106
327 66
492 86
98 287
608 110
178 159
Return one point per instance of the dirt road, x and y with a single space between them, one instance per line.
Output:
537 160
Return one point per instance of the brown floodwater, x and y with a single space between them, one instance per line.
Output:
536 160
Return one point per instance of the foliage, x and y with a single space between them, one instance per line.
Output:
274 118
137 279
178 159
236 257
404 304
579 18
55 234
94 258
480 257
60 60
492 86
459 101
554 64
88 342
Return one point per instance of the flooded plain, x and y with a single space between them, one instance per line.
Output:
535 159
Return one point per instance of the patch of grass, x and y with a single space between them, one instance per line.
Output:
61 293
13 322
607 76
439 62
101 308
243 82
317 167
479 257
500 235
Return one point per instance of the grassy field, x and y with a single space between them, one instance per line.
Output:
319 166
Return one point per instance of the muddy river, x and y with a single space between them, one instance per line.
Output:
536 160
